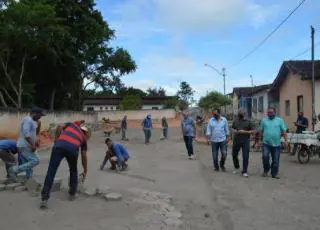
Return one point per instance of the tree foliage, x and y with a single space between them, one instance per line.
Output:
131 102
161 92
171 103
213 100
52 51
185 95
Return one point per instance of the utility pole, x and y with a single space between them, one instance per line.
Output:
224 88
314 119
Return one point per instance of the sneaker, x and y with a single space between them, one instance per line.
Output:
12 177
72 197
276 177
223 169
264 174
235 171
192 157
245 175
216 170
44 204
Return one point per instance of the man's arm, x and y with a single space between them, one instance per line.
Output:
283 130
26 127
208 133
117 151
84 159
250 131
226 128
194 128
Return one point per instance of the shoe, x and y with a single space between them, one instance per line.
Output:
276 177
72 197
216 169
245 175
264 174
235 171
44 204
12 177
223 169
192 157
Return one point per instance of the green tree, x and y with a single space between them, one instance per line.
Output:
171 103
131 102
185 95
214 99
161 92
26 29
131 91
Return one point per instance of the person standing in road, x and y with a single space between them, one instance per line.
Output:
27 144
147 127
124 127
302 124
164 124
189 132
218 135
242 129
272 128
67 144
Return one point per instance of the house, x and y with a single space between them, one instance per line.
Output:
241 100
109 103
294 85
260 97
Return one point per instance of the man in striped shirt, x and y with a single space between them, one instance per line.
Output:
67 144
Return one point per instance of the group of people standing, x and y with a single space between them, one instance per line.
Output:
272 129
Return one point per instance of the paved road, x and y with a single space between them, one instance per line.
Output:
204 199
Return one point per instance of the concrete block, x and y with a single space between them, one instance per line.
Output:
33 185
56 185
101 191
20 189
113 197
90 192
2 187
12 186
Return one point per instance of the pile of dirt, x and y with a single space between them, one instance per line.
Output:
45 138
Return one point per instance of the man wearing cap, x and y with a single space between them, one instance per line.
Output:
27 144
67 144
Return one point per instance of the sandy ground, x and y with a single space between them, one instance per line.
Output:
203 199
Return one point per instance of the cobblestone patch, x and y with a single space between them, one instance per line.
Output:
163 214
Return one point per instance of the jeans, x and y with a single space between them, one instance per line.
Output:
275 156
165 132
124 134
57 155
215 153
189 145
147 135
28 160
245 147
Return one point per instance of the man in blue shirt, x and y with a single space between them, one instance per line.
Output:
189 132
272 128
8 148
218 135
117 154
147 127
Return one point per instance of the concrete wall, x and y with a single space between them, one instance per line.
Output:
259 115
9 121
290 89
115 107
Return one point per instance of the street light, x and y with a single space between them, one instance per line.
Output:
223 74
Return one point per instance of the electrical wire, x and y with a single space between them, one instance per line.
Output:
305 51
272 32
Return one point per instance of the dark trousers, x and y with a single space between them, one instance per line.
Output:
147 135
216 146
245 147
165 132
57 155
124 134
189 145
275 159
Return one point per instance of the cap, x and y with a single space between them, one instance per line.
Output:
37 110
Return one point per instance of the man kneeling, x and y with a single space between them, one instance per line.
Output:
117 154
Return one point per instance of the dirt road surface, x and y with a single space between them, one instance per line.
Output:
162 189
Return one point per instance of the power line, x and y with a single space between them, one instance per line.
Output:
272 32
305 51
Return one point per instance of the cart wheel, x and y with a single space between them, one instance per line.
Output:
303 155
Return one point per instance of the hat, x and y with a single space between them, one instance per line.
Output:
37 110
87 130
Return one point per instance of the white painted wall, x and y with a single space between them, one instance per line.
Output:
259 115
146 107
114 107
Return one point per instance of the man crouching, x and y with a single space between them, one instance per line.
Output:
117 154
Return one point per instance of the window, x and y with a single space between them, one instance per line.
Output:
254 105
154 108
106 107
300 103
90 109
260 104
287 107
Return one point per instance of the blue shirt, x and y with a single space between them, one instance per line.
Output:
187 125
28 128
121 152
272 130
147 123
218 131
8 145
